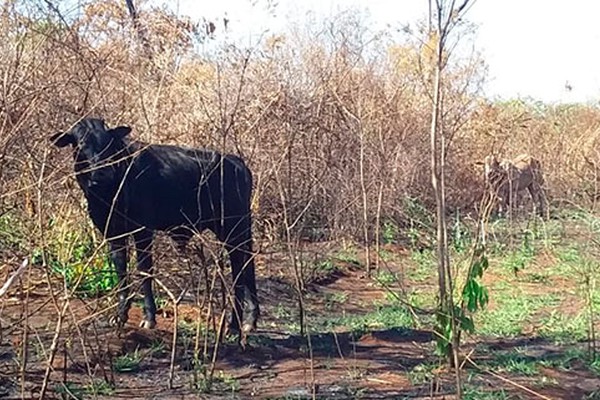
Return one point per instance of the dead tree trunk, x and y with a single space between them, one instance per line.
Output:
141 33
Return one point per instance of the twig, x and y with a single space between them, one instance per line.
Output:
53 349
513 383
176 302
14 277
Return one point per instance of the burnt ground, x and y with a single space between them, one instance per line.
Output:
356 349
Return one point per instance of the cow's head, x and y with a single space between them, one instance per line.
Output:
493 173
490 166
97 150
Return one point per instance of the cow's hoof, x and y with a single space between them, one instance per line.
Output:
117 321
146 324
248 327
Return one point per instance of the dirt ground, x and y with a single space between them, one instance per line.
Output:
278 363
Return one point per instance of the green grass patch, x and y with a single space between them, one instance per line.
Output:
422 298
515 362
389 232
335 300
221 382
384 317
514 309
472 392
72 390
422 373
128 363
386 255
12 234
573 358
347 255
423 266
386 278
564 329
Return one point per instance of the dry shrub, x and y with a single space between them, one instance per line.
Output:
301 107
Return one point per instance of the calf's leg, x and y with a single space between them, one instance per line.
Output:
143 249
539 199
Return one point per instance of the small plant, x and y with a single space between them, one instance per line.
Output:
203 385
389 232
157 348
595 395
536 277
89 279
595 365
585 266
516 362
281 311
421 223
348 255
460 234
100 388
325 267
475 393
221 382
386 278
386 255
83 267
424 265
333 300
129 362
519 259
474 298
11 232
69 390
422 373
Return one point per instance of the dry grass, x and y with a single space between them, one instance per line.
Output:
299 109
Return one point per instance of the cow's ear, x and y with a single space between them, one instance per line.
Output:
62 139
120 132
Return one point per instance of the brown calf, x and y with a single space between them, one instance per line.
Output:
507 179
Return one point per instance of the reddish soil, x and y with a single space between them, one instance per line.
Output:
277 363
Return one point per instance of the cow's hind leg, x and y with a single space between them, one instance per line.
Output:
118 255
249 282
143 249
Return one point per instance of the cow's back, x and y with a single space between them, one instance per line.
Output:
530 169
171 186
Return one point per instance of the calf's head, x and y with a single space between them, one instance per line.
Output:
97 151
491 167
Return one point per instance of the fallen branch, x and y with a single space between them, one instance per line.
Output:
506 380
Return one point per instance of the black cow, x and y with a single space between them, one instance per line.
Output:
134 189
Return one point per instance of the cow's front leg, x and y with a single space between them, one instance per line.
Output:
118 255
143 250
